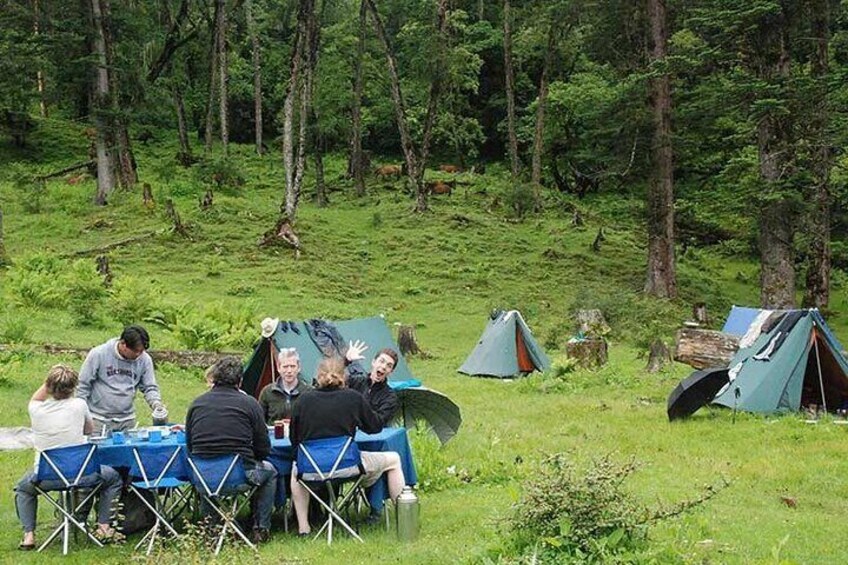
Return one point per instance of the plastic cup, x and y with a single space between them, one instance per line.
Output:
286 427
278 430
118 438
155 436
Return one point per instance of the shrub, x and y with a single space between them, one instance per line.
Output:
132 300
15 331
36 282
581 516
216 328
85 292
220 173
520 200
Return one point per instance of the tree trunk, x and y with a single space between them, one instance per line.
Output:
510 91
817 294
4 256
406 142
102 106
356 111
257 75
289 207
39 73
407 342
481 10
127 167
658 356
662 278
223 73
213 74
538 137
184 157
432 104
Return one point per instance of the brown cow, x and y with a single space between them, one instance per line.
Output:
388 171
450 169
441 187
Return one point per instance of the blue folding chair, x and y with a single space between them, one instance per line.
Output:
156 470
223 485
61 470
331 463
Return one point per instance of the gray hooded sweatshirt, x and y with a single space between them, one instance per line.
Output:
107 382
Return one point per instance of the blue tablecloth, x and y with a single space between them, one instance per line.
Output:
389 439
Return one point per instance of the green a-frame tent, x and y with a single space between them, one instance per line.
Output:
506 349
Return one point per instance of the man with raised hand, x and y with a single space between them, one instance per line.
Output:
374 386
110 376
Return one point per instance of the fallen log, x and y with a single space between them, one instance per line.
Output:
114 245
66 170
184 359
705 348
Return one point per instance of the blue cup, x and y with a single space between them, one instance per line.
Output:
118 438
181 439
155 436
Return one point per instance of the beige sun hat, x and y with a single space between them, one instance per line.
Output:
269 326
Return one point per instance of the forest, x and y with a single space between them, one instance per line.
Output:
198 165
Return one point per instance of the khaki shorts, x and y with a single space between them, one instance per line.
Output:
378 462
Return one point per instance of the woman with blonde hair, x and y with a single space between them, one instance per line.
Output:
333 410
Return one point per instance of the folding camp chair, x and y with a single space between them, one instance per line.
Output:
62 470
222 484
156 470
331 463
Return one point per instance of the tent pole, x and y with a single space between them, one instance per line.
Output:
818 363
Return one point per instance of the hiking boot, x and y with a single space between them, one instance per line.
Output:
261 535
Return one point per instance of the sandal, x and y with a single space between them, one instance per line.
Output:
114 537
26 546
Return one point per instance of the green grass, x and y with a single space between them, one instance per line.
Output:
443 271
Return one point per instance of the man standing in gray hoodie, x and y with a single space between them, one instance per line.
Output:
110 376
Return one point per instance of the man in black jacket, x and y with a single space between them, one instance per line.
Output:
374 386
225 421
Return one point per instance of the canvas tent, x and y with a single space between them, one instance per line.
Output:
506 348
442 414
787 359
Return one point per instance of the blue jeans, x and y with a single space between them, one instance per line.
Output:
264 476
26 497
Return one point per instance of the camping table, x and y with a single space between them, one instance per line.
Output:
389 439
121 455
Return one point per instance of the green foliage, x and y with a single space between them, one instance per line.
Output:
222 173
36 281
558 379
520 199
215 328
15 331
577 515
85 292
133 300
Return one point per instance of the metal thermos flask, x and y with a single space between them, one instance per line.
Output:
407 515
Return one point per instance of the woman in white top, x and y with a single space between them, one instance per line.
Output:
59 420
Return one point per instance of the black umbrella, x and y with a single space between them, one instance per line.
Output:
439 411
696 390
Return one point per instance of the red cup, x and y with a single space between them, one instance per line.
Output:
279 432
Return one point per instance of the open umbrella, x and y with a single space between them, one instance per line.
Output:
696 390
439 411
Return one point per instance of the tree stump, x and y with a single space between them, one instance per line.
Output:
104 270
705 348
147 195
576 219
596 245
699 313
592 323
589 353
407 341
178 226
206 201
658 356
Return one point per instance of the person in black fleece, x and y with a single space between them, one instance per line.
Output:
374 386
225 421
332 410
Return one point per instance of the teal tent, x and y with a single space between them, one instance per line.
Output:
259 371
506 349
794 362
416 402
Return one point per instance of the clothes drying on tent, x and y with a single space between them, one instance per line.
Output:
506 348
796 363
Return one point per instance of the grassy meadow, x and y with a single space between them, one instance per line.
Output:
443 271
